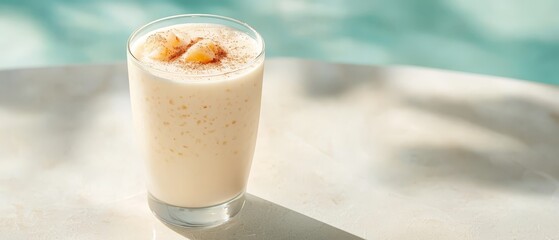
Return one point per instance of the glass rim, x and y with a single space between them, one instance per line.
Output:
254 60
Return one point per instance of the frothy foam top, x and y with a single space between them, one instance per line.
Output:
196 49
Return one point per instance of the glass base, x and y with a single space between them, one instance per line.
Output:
196 217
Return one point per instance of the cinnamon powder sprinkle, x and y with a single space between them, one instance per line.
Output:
233 50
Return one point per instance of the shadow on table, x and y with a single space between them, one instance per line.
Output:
63 100
523 157
261 219
333 80
518 149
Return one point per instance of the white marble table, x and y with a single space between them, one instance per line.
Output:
376 152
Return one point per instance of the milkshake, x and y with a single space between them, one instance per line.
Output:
195 86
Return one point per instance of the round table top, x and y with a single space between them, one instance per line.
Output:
344 151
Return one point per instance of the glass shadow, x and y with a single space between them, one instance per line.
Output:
262 219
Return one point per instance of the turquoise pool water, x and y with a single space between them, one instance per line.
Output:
511 38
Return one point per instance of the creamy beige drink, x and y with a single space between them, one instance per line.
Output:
195 91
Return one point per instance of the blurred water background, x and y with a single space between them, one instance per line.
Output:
511 38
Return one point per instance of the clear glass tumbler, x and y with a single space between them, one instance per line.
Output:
197 131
